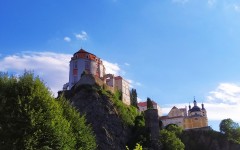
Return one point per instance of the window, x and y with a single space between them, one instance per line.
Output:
75 64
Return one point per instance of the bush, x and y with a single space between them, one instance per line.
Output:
127 113
30 118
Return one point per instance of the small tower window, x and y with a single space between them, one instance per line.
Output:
75 64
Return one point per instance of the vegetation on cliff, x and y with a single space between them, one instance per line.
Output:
170 138
127 113
31 118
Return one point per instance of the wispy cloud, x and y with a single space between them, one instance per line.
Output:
211 2
232 6
134 84
221 103
111 68
140 100
67 39
225 93
82 36
180 1
51 67
236 7
126 64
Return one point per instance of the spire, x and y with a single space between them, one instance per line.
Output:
195 102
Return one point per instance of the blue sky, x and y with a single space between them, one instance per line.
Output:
170 50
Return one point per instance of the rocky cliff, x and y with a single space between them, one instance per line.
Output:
110 130
207 140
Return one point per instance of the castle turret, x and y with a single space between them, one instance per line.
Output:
204 112
83 61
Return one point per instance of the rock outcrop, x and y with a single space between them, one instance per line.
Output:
111 132
207 140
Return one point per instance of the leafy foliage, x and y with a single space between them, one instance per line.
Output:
231 129
127 113
133 97
137 147
149 103
30 118
170 141
175 129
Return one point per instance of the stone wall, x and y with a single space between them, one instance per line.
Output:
92 80
152 127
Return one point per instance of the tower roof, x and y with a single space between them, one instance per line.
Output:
83 51
195 108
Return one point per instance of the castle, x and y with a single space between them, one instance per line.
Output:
84 62
194 119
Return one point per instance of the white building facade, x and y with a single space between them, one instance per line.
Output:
123 85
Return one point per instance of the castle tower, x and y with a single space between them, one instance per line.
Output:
84 61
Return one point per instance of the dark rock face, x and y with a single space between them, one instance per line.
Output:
207 140
110 131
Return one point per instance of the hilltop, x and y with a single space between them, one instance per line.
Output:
116 124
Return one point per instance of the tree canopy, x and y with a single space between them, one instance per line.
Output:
231 129
170 141
31 118
169 138
133 97
149 103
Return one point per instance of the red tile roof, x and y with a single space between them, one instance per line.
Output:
144 104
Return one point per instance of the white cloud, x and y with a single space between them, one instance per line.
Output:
232 7
225 93
138 83
133 83
51 67
211 2
67 39
236 7
140 100
111 68
180 1
82 36
126 64
221 103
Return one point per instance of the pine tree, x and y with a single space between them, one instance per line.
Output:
133 97
149 103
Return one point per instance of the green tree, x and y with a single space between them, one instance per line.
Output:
31 118
133 97
170 141
149 103
231 129
175 129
